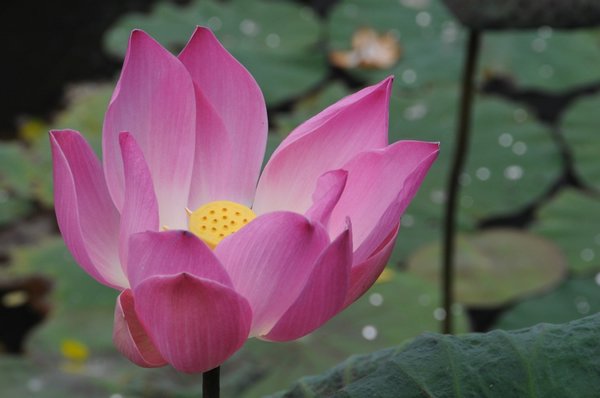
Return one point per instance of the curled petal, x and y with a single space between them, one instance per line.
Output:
154 102
323 295
232 123
87 219
140 210
365 273
381 184
195 323
130 336
329 190
269 262
326 142
171 253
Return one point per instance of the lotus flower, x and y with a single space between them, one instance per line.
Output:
205 253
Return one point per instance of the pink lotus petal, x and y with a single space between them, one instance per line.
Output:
140 209
323 295
171 253
195 323
154 102
380 185
329 190
364 274
269 262
130 336
325 142
232 123
87 219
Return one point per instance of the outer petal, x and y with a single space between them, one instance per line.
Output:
154 101
140 210
329 190
171 253
269 262
323 295
130 336
364 274
87 219
380 185
195 323
232 123
325 142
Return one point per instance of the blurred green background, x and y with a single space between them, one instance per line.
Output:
529 216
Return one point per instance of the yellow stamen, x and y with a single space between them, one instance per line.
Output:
214 221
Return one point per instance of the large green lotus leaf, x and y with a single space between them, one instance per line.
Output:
24 377
574 299
581 128
494 267
12 209
543 58
86 105
101 376
543 361
81 311
82 306
42 177
512 159
15 170
15 182
276 41
572 221
430 39
390 313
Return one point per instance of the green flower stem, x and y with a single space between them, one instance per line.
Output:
458 162
210 383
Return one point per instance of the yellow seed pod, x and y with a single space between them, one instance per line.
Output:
214 221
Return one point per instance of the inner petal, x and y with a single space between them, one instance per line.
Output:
214 221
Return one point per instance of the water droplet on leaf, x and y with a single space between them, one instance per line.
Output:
376 299
505 140
513 172
483 173
369 332
439 314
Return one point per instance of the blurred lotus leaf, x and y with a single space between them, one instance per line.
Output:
85 105
572 221
543 58
582 134
15 182
574 299
519 14
277 41
494 267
